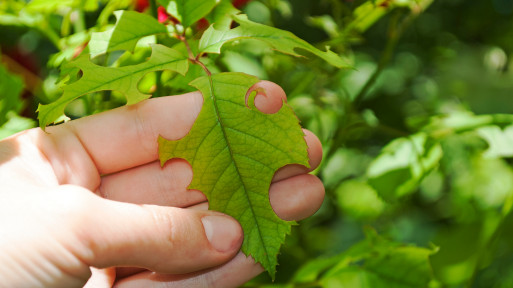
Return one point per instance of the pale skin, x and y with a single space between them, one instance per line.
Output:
88 204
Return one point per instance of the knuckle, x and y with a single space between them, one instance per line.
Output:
145 131
166 223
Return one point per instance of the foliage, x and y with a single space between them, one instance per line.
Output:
372 262
222 124
417 137
11 104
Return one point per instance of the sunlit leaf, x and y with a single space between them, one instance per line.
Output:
402 164
11 87
221 14
283 41
359 200
500 141
15 124
372 262
234 150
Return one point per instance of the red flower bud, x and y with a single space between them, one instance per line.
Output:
141 5
162 14
239 3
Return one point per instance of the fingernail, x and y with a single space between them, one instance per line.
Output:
223 233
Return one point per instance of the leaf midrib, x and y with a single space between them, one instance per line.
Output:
220 121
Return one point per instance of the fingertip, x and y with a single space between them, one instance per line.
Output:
269 98
298 197
161 239
314 149
223 232
314 155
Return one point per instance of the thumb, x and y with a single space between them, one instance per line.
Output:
162 239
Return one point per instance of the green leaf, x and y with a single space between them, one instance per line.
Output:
221 15
11 87
129 28
367 14
487 183
377 262
188 11
123 79
52 5
234 150
359 200
15 124
49 5
283 41
499 141
374 262
402 164
312 270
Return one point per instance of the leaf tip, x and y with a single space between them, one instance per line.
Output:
42 122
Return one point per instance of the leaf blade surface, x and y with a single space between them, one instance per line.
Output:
188 11
234 151
129 28
284 41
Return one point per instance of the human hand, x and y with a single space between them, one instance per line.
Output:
90 195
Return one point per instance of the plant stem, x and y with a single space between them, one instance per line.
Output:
80 24
194 59
153 9
158 74
46 30
393 37
33 82
488 247
395 31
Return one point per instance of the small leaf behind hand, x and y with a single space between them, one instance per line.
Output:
123 79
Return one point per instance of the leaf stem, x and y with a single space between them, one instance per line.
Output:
45 29
393 37
489 248
184 40
153 9
158 74
80 24
395 31
194 59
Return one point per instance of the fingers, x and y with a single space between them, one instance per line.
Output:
269 98
233 274
297 198
101 278
126 137
162 239
314 155
151 184
294 198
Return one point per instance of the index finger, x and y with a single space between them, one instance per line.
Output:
126 137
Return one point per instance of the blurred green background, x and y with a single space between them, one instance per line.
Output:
418 136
